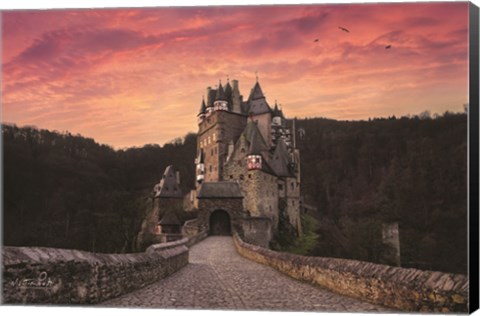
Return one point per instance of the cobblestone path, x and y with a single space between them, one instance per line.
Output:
219 278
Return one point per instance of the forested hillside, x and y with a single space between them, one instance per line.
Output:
62 190
67 191
413 171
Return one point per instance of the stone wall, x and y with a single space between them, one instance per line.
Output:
60 276
259 188
213 137
399 288
257 231
234 208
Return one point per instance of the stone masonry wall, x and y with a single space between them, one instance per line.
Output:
400 288
61 276
257 231
233 207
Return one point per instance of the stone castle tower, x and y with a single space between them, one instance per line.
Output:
247 173
249 147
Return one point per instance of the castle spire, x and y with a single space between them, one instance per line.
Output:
220 93
203 106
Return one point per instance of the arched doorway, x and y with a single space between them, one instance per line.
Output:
220 223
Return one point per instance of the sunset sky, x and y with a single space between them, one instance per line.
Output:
129 77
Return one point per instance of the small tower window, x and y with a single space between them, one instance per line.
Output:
241 177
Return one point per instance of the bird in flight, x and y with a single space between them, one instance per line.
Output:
388 46
316 40
344 29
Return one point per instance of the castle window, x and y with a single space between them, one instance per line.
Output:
210 168
291 184
249 176
242 150
231 176
241 177
211 152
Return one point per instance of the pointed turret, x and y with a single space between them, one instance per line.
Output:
257 103
201 114
203 107
220 93
281 160
256 92
277 116
228 95
221 103
210 99
168 186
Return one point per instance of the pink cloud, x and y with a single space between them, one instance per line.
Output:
121 75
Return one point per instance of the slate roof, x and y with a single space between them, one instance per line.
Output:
228 91
256 92
277 112
281 160
168 186
220 93
257 143
211 97
202 107
255 140
220 190
257 104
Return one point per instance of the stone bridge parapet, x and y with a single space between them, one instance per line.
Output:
399 288
38 275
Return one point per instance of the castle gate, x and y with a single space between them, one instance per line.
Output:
220 223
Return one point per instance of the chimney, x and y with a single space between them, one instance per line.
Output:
209 101
294 134
236 97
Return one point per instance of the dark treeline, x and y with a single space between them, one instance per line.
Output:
67 191
413 171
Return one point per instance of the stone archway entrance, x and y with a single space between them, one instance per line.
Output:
220 223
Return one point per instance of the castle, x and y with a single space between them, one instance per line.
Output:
247 167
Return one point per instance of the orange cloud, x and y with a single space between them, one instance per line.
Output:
129 77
